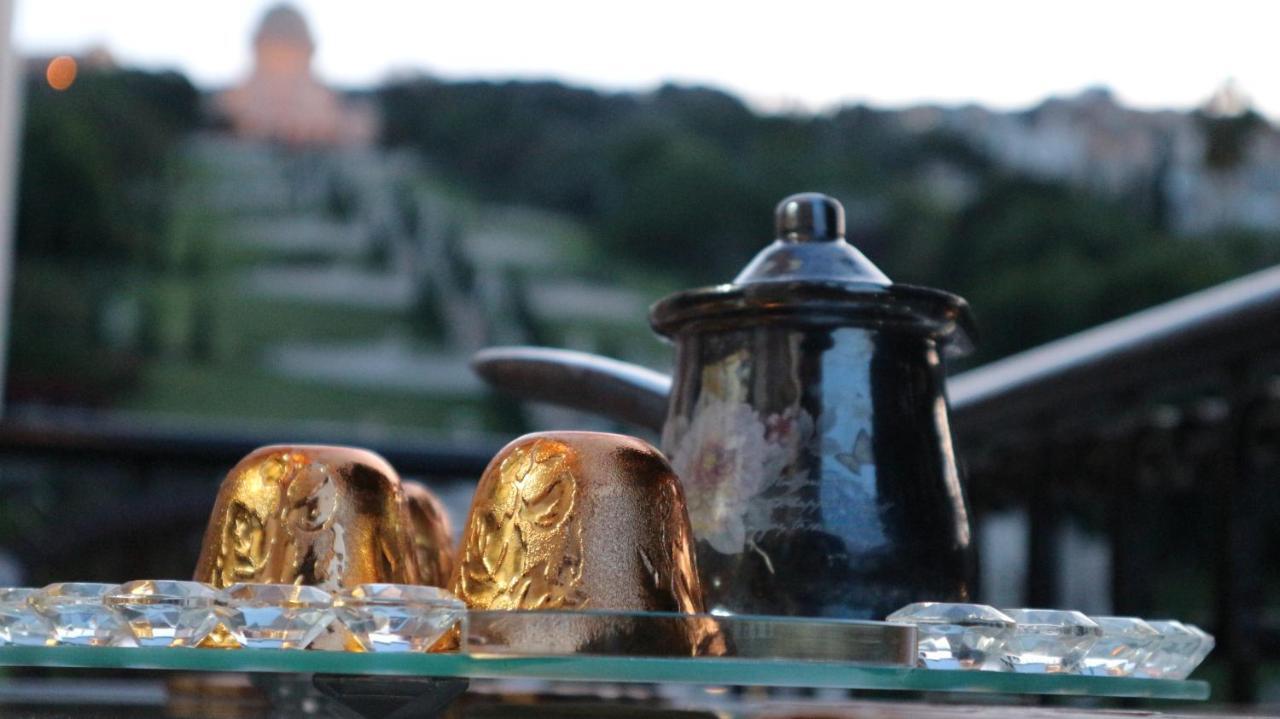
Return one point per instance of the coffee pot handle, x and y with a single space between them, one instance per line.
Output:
608 387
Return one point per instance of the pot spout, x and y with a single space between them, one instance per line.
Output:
607 387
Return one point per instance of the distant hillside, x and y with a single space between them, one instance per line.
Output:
169 265
1049 221
678 176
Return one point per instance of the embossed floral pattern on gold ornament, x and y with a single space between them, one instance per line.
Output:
331 517
584 521
578 520
524 546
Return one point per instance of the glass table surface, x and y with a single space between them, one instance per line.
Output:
712 671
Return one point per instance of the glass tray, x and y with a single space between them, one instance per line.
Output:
554 632
586 668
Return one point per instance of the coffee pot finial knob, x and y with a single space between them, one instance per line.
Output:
809 217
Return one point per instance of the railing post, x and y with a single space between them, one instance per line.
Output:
1043 523
1240 566
1129 530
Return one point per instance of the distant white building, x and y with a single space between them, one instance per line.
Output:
1091 141
283 101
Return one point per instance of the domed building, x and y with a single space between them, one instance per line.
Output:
282 100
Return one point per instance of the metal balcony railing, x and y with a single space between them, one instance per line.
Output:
1165 425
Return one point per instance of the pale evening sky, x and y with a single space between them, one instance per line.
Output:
808 54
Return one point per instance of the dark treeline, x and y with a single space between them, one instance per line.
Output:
93 207
682 180
95 161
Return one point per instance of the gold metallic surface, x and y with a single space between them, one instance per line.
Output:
432 534
219 638
578 520
584 520
332 517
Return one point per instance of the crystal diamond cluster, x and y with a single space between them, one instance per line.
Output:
1052 641
957 636
172 613
1049 641
397 617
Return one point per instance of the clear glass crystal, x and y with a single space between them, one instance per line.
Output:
957 636
397 617
79 616
164 613
19 623
1207 643
1125 644
276 616
1048 641
1175 654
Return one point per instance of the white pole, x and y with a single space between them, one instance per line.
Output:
10 121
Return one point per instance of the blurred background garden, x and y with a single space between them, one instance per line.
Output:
206 260
283 250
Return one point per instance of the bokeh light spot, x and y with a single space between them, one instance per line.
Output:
61 72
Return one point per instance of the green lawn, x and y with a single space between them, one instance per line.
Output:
242 390
254 321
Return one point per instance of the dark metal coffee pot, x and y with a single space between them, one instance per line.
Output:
807 420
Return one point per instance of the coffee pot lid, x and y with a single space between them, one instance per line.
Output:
811 246
811 272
